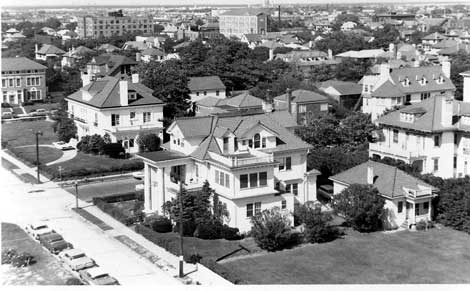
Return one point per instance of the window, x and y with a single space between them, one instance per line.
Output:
147 116
243 181
253 180
235 144
96 119
425 95
197 93
11 82
302 108
324 107
283 204
417 209
250 143
225 149
131 142
395 136
436 164
217 93
263 178
132 95
437 140
34 94
257 208
366 88
132 115
455 162
5 96
256 140
426 207
114 119
18 82
263 142
285 164
4 83
407 99
292 188
19 94
205 93
249 210
400 207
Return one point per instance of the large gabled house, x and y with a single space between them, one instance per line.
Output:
408 200
401 86
209 86
48 52
107 65
121 107
251 161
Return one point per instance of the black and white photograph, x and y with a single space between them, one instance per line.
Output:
235 144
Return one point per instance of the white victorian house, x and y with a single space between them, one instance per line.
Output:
121 107
251 161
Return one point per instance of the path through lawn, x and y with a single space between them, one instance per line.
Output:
435 256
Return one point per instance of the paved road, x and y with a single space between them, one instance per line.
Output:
97 189
23 203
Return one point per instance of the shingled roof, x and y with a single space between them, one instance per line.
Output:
105 94
388 180
303 96
20 64
205 83
49 49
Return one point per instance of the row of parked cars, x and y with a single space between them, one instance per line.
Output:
76 259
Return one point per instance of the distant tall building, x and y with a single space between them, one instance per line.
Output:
113 24
238 22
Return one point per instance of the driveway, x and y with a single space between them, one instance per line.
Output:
67 155
23 203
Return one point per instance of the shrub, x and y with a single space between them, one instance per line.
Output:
424 224
317 229
8 255
148 142
193 259
210 230
271 230
113 150
114 211
230 233
11 256
188 228
168 243
161 224
362 206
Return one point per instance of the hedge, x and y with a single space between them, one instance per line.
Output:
119 197
113 211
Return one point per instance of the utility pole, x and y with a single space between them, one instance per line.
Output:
181 273
76 194
37 133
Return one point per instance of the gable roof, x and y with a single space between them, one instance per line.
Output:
108 47
205 83
388 180
105 94
344 88
152 52
50 49
20 64
114 62
362 54
303 96
387 89
434 36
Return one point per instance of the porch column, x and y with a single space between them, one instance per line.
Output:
147 189
159 197
413 213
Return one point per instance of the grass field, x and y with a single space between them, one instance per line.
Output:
435 256
46 154
22 133
46 271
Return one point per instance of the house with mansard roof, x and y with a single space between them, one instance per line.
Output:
405 85
407 199
122 107
433 135
251 161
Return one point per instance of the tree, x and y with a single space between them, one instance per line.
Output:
158 28
351 69
95 144
460 63
53 23
65 128
385 36
271 230
317 227
362 206
71 26
344 17
340 42
148 142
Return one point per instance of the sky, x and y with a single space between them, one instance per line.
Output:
192 2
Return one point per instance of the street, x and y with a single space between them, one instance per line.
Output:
23 203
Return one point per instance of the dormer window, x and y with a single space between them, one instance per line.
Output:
131 95
423 81
440 80
256 140
406 82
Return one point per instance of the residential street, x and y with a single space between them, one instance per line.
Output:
102 188
23 203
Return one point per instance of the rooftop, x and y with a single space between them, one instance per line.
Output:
20 64
205 83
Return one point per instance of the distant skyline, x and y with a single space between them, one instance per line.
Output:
46 3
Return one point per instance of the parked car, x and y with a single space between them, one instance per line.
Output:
76 259
54 242
61 145
325 193
139 187
138 175
97 276
39 112
7 115
36 229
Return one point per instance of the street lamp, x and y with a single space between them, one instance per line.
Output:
37 133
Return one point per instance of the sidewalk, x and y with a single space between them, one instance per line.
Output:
22 168
202 275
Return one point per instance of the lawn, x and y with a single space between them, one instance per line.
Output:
46 154
93 165
46 271
435 256
47 106
22 133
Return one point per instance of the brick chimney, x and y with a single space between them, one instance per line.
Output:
135 78
268 102
289 100
446 68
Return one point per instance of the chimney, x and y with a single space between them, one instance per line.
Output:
279 14
123 92
330 54
268 102
391 48
310 44
138 57
135 78
271 54
85 79
289 100
446 68
447 111
385 70
466 86
370 174
36 48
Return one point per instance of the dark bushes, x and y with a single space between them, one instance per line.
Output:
188 228
113 211
158 223
113 150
